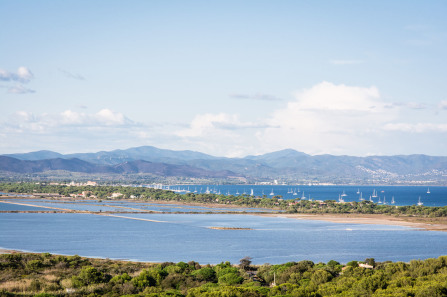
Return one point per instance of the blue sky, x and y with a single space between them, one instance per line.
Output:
228 78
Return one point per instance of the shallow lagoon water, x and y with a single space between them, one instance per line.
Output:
185 237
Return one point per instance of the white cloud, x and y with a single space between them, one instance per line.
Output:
23 75
328 118
20 89
208 124
443 104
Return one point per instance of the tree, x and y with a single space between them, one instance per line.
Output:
244 263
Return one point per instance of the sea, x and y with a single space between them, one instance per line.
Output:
402 195
134 234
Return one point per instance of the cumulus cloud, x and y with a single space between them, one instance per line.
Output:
23 75
48 123
257 96
328 118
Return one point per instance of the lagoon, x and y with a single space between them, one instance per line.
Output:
186 237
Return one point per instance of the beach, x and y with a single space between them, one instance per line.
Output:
429 224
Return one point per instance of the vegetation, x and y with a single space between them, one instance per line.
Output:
49 275
290 206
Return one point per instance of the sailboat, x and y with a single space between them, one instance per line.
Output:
380 202
428 190
303 197
294 193
207 190
340 200
344 194
370 199
251 193
272 194
374 195
384 200
358 191
419 202
361 198
392 200
237 192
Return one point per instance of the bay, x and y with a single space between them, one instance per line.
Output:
403 195
186 237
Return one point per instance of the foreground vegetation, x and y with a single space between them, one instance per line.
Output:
50 275
291 206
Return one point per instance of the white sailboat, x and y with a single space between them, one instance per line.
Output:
303 197
251 193
340 200
392 200
271 193
428 190
207 190
419 201
374 195
344 194
361 197
384 200
370 199
237 192
379 202
358 191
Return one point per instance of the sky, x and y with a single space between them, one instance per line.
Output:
226 78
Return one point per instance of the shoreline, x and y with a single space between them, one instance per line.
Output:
422 223
426 224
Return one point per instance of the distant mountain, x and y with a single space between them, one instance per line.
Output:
39 155
9 164
287 165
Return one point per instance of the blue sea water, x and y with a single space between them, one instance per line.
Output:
186 237
403 195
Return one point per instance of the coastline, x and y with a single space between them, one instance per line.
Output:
427 224
422 223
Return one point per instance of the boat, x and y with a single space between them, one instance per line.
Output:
379 202
370 199
384 200
272 194
294 193
344 194
419 201
340 200
358 191
303 197
374 195
207 190
237 192
251 193
361 197
428 190
392 200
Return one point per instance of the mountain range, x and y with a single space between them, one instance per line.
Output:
285 165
